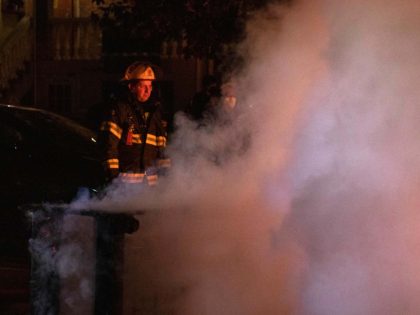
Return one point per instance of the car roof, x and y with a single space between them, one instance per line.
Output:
52 128
59 118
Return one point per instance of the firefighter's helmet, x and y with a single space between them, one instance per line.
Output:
138 71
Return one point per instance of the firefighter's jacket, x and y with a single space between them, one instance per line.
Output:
133 137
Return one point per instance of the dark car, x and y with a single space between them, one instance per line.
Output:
44 158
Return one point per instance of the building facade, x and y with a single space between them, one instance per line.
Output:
51 57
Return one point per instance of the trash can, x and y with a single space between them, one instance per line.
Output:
77 260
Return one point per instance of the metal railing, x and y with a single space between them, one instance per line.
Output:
74 39
81 39
15 50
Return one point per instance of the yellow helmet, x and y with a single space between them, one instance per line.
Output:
138 71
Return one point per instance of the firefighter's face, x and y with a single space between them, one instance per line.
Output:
142 90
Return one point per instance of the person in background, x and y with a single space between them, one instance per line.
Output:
206 98
132 132
222 109
226 118
228 98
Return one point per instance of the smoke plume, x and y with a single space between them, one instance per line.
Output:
306 201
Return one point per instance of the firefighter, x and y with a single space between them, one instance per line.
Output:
133 134
205 99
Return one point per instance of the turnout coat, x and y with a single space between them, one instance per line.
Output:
133 138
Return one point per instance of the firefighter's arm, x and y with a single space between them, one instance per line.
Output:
110 135
163 162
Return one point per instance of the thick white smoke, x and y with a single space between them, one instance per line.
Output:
356 169
307 202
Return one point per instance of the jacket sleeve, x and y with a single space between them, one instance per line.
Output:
110 133
163 162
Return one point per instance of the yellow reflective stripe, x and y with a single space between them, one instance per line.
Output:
132 177
136 138
164 163
112 128
156 141
112 163
161 141
135 178
151 139
152 180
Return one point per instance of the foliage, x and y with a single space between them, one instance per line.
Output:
205 26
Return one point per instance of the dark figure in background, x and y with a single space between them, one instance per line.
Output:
219 120
222 108
226 105
205 99
132 133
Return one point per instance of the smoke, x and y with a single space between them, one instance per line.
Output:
306 201
62 271
355 172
